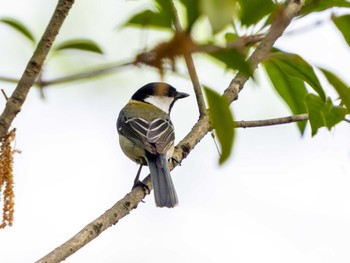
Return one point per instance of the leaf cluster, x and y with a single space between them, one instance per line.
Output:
290 74
293 78
75 44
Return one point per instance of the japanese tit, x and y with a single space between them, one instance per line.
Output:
146 136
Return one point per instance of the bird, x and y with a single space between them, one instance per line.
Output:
146 136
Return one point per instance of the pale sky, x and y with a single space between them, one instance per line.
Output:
280 198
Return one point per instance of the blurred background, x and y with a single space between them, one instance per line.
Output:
280 198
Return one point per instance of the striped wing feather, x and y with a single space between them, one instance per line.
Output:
156 136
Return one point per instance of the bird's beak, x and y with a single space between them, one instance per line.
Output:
181 95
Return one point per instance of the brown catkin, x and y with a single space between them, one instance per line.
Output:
6 179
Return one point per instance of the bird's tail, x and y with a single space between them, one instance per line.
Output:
164 191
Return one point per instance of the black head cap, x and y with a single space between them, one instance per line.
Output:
157 89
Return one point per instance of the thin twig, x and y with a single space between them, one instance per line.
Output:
87 74
215 142
191 69
4 93
270 122
9 79
238 44
15 102
199 130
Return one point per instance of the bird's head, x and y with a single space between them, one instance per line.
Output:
159 94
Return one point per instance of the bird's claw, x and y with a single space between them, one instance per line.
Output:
174 160
144 187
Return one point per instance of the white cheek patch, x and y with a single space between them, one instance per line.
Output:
162 103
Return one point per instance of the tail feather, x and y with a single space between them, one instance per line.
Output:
164 190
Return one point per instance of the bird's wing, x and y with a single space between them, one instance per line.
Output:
161 134
155 137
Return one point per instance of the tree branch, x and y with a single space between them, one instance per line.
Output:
238 44
199 130
9 79
270 122
86 74
279 24
191 69
16 100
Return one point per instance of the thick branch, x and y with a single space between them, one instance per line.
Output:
95 228
270 122
199 130
16 100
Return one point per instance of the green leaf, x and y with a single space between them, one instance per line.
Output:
80 44
221 120
234 60
321 5
297 67
149 18
252 11
166 7
19 27
292 90
343 25
315 106
162 18
334 115
323 113
220 12
342 89
230 37
192 12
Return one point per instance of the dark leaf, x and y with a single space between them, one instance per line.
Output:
221 120
292 90
162 18
19 27
149 18
297 67
252 11
80 44
343 24
315 107
192 11
166 7
323 113
233 60
334 115
340 87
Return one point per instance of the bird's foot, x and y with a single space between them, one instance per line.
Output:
174 160
144 186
